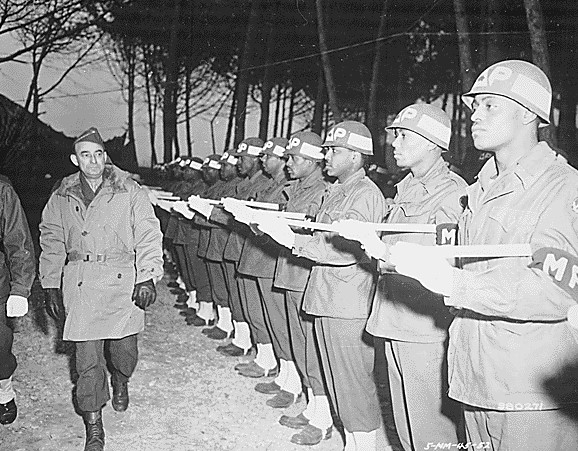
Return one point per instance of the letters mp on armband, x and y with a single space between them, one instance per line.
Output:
560 265
447 234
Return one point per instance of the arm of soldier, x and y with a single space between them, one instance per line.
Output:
53 253
515 290
17 243
147 238
331 248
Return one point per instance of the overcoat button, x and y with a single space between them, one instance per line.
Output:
79 284
119 275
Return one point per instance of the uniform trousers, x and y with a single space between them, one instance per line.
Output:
422 411
230 270
7 359
347 357
92 390
549 430
219 292
253 308
183 266
304 343
275 315
201 276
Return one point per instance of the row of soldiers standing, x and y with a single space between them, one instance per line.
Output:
313 303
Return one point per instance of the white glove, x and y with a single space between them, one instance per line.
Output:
165 205
425 265
183 208
352 229
200 205
154 199
16 306
277 228
241 212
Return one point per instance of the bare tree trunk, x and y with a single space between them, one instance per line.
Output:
283 110
372 114
494 25
291 107
243 73
326 63
540 54
131 74
170 88
277 110
467 77
317 121
231 120
188 112
464 48
151 108
266 87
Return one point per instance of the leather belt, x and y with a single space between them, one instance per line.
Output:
75 256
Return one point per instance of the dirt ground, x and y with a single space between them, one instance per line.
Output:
184 396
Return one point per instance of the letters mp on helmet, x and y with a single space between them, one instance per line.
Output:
275 146
229 158
518 80
426 120
307 145
250 147
352 135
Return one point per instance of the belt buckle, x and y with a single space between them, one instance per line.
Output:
100 258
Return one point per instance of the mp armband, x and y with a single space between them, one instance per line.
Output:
560 265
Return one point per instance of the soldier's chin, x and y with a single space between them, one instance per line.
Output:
480 143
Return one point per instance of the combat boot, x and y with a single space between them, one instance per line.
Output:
94 431
119 393
8 412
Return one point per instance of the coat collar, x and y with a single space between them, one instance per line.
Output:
526 168
113 181
429 181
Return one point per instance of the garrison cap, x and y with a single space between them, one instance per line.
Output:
352 135
306 145
275 146
90 135
426 120
517 80
250 147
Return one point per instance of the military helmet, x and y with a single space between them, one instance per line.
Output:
212 161
250 147
518 80
229 157
352 135
426 120
275 146
306 145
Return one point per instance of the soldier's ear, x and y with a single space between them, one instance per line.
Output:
74 159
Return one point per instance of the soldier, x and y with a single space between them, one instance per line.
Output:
414 331
304 195
249 169
17 272
257 268
220 289
341 285
186 236
205 315
512 351
101 255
